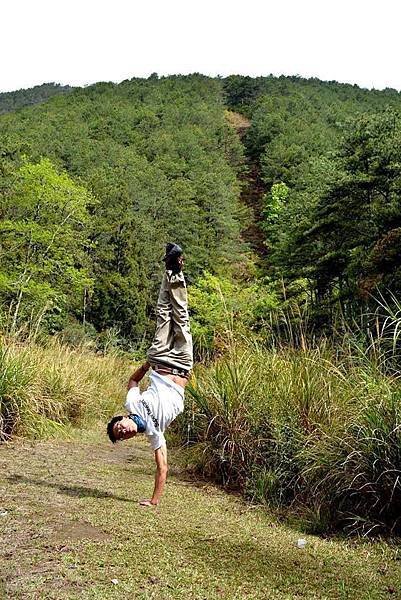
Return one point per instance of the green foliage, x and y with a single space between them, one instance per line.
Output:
241 91
337 150
163 163
43 244
353 239
223 307
161 160
356 476
274 205
15 379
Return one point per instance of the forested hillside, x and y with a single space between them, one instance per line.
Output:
94 182
329 157
97 181
10 101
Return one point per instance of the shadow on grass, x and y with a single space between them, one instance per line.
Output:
69 490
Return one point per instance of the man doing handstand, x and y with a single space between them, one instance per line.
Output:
171 359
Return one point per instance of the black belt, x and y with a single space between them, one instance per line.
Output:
165 369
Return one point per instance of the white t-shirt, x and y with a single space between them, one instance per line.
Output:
158 406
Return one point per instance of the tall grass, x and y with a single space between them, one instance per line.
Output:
47 388
315 429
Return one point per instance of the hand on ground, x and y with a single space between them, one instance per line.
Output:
147 503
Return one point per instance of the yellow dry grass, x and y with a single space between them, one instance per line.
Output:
237 120
44 389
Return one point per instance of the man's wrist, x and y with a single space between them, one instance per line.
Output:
139 373
143 369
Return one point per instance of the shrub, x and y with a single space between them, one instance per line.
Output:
314 429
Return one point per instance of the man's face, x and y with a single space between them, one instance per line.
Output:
124 429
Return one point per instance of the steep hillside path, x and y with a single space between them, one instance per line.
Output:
252 190
70 525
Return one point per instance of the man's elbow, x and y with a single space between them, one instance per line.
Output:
131 384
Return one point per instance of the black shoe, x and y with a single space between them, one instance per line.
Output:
172 257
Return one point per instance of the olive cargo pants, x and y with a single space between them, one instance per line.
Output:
172 342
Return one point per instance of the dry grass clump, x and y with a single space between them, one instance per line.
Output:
43 388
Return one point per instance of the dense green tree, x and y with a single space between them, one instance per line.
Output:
43 244
352 243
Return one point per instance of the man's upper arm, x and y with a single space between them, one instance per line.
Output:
161 457
132 384
133 396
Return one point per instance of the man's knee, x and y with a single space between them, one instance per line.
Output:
163 314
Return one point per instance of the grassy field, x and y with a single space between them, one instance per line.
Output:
70 524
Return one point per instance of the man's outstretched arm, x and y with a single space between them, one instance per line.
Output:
160 477
138 375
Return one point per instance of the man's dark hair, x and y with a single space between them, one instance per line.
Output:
110 426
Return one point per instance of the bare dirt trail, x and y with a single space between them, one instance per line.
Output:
238 121
71 527
253 190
